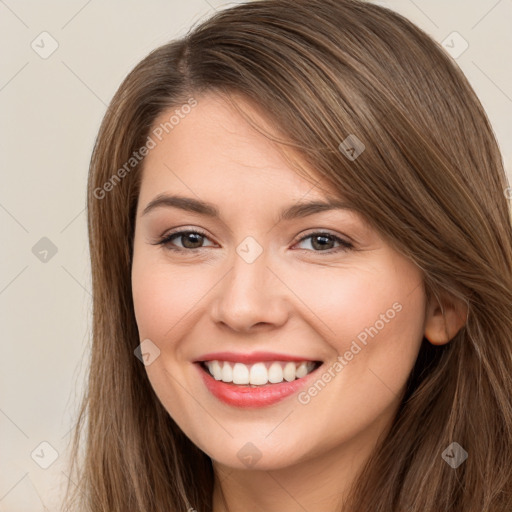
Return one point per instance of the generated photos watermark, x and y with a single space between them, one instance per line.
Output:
305 397
152 141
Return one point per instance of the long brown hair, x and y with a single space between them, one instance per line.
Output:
430 179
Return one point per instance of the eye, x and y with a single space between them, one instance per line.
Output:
323 242
191 239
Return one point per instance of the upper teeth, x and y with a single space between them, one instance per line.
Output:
259 373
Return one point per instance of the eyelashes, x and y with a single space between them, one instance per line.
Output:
167 240
199 236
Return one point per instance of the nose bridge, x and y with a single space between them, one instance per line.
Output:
249 277
249 265
250 293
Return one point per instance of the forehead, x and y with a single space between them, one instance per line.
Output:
214 144
214 160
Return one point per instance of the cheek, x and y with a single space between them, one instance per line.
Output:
375 331
361 302
163 295
379 341
373 322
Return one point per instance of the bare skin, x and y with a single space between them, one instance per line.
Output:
295 298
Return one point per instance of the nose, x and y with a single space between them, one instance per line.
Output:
251 297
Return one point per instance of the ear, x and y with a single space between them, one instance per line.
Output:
444 318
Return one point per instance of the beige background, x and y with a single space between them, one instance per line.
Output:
51 111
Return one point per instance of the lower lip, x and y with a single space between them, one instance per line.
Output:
247 396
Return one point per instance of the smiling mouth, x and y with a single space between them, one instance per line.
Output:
260 373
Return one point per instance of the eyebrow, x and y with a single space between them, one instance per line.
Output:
294 211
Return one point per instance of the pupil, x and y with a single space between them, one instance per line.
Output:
189 237
321 237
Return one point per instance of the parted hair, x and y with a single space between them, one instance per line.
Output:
430 179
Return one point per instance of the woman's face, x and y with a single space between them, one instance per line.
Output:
267 297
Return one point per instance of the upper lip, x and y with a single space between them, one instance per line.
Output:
253 357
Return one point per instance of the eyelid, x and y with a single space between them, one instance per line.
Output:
298 238
344 244
161 240
322 231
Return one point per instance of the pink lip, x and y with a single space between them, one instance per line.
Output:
247 396
254 357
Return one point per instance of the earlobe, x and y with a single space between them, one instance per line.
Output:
443 322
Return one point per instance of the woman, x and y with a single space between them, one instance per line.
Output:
239 361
